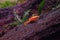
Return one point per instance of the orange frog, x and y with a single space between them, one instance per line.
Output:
31 19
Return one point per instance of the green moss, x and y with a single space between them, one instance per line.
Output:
7 4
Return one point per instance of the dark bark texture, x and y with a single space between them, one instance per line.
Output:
46 28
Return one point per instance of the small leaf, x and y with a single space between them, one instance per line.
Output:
41 5
25 16
15 23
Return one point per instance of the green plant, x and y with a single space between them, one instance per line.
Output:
25 16
40 7
6 4
20 21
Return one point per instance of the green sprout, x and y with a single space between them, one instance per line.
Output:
25 16
17 23
19 20
41 5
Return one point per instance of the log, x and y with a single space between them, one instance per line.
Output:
29 32
42 26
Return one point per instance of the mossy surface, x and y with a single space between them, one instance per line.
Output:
7 4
